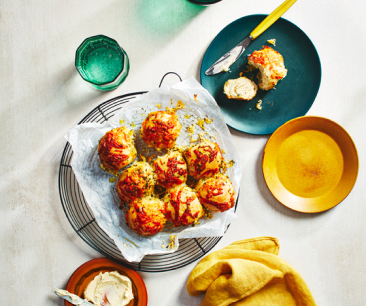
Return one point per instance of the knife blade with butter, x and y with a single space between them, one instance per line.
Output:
71 298
225 61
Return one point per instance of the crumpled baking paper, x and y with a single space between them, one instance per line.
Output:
101 194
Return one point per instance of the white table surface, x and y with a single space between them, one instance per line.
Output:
42 97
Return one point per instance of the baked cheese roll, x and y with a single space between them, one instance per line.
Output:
216 193
136 182
117 149
271 67
160 129
182 206
203 159
240 89
146 216
170 169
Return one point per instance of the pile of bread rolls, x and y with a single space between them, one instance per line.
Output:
146 213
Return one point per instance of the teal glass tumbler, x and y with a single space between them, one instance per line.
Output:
204 2
102 62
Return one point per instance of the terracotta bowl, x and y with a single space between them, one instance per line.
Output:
80 279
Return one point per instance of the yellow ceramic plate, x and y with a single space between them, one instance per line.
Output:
310 164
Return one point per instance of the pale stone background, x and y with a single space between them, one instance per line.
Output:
42 97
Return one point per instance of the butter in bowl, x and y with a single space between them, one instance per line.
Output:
104 282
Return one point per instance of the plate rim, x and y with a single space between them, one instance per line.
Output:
301 118
202 73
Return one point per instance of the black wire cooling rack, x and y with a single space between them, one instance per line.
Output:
83 222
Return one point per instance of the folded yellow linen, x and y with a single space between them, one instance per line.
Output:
248 272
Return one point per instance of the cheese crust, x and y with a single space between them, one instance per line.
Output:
117 149
136 182
216 193
203 159
271 67
182 206
160 130
145 216
170 169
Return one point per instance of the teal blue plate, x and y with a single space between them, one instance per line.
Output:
292 96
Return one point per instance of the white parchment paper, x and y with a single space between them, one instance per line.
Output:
101 195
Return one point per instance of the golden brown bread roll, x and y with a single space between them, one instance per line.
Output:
116 148
160 129
136 182
216 193
170 169
182 206
203 159
145 215
271 67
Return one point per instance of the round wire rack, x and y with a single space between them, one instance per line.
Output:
83 222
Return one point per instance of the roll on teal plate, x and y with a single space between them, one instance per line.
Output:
292 97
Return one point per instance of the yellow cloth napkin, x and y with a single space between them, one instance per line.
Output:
248 272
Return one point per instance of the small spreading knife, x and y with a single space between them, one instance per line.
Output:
224 62
71 298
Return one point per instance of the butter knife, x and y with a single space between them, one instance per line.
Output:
225 61
71 298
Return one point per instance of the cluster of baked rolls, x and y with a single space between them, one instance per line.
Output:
146 213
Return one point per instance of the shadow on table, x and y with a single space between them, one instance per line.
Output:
145 31
61 224
160 17
262 186
75 89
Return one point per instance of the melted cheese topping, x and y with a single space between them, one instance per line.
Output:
160 129
203 159
171 169
136 182
271 67
146 216
182 206
216 193
116 287
117 149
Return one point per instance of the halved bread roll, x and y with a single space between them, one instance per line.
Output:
240 89
271 67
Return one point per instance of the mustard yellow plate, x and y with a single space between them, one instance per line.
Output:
310 164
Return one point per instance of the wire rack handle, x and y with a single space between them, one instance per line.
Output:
161 82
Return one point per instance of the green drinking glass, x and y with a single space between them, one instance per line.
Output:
102 62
